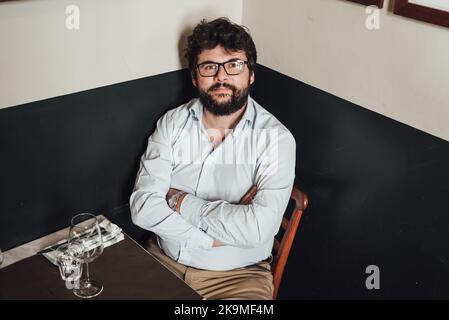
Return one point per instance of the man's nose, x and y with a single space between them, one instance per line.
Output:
221 74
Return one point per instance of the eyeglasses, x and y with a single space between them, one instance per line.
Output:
232 68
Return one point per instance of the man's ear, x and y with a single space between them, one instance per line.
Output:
194 81
252 78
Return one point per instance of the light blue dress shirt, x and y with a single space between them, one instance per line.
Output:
260 151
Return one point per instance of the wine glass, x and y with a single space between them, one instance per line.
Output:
85 231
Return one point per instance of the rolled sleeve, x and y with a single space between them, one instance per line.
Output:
191 208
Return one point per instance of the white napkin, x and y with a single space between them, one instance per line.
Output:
111 235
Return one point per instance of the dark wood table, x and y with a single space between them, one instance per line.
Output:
126 270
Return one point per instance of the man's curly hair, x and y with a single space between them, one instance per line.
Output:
207 35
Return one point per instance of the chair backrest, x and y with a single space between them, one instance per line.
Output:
281 250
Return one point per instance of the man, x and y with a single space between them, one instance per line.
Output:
217 175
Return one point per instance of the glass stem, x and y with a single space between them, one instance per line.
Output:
87 272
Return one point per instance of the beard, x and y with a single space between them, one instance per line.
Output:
237 100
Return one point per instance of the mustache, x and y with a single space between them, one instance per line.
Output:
222 85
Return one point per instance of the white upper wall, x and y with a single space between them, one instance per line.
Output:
401 70
117 41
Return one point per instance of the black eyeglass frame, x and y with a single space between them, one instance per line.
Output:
221 65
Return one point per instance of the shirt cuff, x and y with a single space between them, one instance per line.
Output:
200 239
191 209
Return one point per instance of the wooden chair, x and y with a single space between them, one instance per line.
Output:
281 249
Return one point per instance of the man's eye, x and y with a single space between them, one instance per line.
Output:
234 65
209 67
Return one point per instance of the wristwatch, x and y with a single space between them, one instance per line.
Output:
173 201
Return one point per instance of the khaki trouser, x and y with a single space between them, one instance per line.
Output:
253 282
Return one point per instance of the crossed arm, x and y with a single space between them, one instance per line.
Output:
201 223
245 200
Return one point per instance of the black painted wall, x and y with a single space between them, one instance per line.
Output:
379 195
78 153
378 188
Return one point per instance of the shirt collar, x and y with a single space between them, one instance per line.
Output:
196 109
249 115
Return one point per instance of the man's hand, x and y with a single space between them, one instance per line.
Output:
217 243
249 196
246 199
171 192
